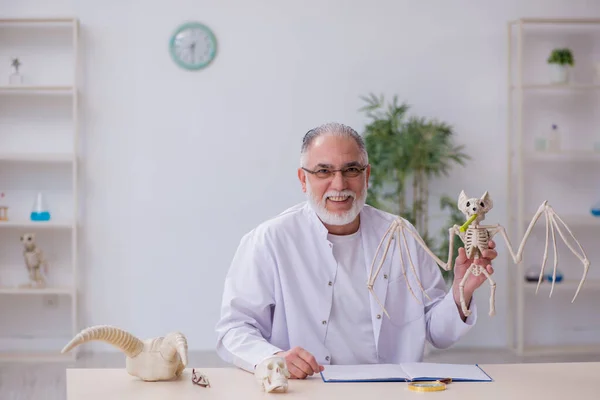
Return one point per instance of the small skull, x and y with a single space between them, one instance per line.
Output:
28 240
474 205
272 374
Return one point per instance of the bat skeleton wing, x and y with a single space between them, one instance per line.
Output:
397 232
552 223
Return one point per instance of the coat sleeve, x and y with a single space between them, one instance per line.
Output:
444 324
246 310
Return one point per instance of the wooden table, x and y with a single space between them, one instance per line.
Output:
511 382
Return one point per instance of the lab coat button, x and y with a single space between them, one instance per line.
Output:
384 276
330 283
324 322
327 358
378 316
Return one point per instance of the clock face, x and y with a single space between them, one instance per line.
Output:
193 46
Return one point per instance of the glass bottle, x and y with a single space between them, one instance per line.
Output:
40 210
595 210
554 139
532 274
540 143
559 276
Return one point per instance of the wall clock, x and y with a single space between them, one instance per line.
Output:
193 46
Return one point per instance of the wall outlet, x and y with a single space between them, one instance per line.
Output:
50 301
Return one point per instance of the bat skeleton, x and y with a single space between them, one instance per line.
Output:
476 238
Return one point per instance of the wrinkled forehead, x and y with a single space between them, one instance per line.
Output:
333 151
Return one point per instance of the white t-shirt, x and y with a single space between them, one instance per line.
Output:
350 311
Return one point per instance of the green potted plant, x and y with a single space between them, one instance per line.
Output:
560 61
405 153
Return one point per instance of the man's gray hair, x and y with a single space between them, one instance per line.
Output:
333 129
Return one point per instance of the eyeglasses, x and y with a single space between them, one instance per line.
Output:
347 172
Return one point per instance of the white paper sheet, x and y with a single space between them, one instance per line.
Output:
402 372
363 372
467 372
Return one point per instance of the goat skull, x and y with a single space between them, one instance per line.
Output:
155 359
272 374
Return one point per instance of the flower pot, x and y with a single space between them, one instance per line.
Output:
559 73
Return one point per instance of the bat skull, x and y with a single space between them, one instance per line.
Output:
475 206
272 374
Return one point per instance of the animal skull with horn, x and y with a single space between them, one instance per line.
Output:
155 359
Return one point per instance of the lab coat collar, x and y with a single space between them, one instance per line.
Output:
315 220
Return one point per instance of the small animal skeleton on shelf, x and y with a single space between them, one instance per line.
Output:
476 238
34 260
272 374
155 359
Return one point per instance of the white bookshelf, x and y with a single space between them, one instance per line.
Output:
567 178
39 152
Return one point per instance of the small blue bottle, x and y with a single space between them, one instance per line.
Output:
40 211
595 210
559 277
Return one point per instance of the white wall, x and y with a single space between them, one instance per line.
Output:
162 218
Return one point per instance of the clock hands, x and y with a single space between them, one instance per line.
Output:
193 50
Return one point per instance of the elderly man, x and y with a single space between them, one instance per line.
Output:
297 285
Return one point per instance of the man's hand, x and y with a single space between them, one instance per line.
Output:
300 363
473 282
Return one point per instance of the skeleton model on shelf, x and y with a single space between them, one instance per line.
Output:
35 261
155 359
476 238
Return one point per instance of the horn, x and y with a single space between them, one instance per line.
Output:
174 342
124 341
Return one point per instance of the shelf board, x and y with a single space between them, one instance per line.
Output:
569 285
36 224
561 349
558 86
560 21
43 20
37 291
41 157
37 89
570 220
565 156
37 357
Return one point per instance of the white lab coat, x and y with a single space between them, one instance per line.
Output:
277 293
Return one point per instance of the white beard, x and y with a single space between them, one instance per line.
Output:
331 218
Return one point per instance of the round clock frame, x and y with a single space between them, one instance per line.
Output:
193 31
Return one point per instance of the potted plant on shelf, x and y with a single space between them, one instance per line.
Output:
405 154
560 61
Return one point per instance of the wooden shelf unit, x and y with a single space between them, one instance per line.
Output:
526 88
21 345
